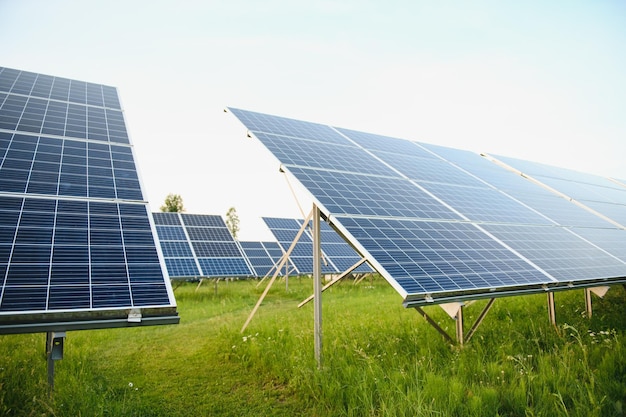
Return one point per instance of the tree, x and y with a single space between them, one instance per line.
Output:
232 222
173 204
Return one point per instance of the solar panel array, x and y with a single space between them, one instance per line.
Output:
337 255
439 223
199 245
76 241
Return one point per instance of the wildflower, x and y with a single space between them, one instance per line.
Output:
130 384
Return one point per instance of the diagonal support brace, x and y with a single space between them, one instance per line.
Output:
335 280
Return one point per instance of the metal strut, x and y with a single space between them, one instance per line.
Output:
455 311
284 259
335 280
317 284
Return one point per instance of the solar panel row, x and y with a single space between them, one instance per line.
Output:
196 245
441 223
201 246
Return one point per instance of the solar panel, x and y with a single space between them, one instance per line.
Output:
199 245
262 256
77 248
438 223
603 195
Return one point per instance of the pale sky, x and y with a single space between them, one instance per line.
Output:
536 80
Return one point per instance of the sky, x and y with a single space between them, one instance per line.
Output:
536 80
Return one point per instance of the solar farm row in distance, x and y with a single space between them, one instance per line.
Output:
262 256
443 224
199 245
337 255
76 243
196 245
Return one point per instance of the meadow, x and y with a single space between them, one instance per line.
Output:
379 359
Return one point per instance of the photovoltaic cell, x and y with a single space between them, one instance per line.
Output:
446 224
76 241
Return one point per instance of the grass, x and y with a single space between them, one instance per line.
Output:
379 359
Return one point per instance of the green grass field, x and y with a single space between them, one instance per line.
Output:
379 359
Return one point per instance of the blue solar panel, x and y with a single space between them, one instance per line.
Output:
601 194
262 256
198 245
177 251
323 155
554 251
370 195
441 223
426 257
76 241
382 143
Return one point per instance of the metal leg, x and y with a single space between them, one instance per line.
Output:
459 326
551 310
54 352
317 284
588 307
480 319
434 324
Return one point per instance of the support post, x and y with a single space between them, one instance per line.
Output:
459 325
588 307
54 352
551 310
317 285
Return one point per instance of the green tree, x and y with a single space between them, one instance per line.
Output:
173 204
232 221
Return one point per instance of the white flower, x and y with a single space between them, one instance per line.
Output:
130 384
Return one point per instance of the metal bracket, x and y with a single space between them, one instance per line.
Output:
455 311
54 352
134 315
599 291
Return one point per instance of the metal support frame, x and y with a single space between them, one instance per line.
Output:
317 284
456 313
551 309
335 280
588 306
54 352
599 291
434 324
459 326
278 269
